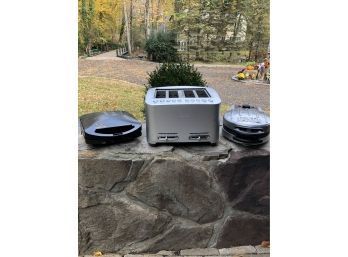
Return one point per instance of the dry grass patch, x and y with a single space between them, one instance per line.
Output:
102 94
224 108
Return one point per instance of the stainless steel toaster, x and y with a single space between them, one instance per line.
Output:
182 114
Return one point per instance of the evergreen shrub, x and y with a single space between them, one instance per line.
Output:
175 74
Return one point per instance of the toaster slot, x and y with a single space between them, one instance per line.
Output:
189 94
173 94
160 94
201 93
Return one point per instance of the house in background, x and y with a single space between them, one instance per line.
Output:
197 41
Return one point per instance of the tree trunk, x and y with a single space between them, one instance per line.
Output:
89 47
147 19
127 28
188 46
257 53
158 13
122 29
250 49
131 23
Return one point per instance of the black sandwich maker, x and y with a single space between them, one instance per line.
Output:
102 128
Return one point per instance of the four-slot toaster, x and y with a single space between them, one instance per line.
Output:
182 114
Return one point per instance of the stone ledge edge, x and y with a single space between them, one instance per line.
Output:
199 252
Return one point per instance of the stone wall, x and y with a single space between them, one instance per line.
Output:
135 198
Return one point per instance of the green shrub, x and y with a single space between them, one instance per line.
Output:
160 47
175 74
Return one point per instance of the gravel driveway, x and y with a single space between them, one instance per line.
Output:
217 76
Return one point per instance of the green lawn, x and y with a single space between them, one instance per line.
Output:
102 94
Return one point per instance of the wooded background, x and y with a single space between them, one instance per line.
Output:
205 30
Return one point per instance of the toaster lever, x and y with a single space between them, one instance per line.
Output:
168 138
162 138
199 137
195 138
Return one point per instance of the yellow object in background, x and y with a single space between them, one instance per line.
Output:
241 76
97 253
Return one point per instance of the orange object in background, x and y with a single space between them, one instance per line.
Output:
97 253
265 244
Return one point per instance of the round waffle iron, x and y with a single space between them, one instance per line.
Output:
246 125
102 128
